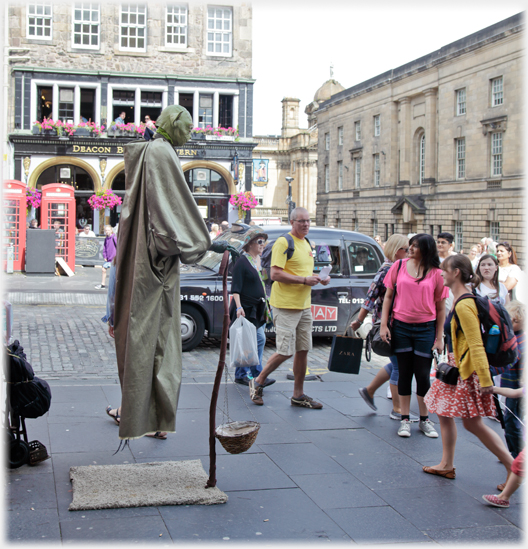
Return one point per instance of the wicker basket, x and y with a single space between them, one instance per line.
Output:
37 452
237 436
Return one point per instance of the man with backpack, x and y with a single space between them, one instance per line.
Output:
292 273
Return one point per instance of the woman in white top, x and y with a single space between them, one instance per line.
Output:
487 280
214 231
509 272
474 257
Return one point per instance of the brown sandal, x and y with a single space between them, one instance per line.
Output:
500 487
446 473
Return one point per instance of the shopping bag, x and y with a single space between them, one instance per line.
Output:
345 355
243 350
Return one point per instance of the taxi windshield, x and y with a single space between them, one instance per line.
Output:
211 260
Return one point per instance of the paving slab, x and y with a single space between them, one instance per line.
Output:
376 525
483 534
337 491
257 516
27 526
415 505
143 529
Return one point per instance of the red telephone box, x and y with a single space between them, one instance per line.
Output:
57 211
15 223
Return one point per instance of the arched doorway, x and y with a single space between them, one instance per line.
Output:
210 191
80 179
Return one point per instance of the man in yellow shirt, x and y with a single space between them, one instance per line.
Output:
291 307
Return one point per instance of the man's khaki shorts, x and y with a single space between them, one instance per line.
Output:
293 330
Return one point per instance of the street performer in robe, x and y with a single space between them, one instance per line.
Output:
160 227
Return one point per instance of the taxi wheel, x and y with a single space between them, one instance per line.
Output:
192 327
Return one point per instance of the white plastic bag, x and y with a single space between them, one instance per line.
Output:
243 349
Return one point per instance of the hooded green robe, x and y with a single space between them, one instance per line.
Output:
160 226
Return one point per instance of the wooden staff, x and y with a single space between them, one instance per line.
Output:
211 483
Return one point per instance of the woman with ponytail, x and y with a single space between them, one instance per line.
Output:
472 397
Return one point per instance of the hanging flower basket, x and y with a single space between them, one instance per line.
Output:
33 198
245 201
104 199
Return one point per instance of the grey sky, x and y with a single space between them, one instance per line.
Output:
294 43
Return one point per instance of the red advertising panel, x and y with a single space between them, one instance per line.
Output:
57 211
14 233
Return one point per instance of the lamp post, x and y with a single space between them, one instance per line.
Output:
289 201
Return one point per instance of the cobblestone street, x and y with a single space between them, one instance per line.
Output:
64 342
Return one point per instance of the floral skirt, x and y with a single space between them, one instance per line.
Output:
461 400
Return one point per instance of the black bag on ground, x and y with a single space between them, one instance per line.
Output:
345 355
30 399
17 368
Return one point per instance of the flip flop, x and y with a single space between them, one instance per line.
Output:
115 417
157 434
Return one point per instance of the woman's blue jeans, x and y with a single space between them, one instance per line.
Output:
254 371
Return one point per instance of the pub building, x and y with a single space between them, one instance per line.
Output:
92 164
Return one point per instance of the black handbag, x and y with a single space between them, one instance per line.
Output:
374 341
376 344
445 372
345 355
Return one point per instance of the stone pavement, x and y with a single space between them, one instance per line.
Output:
337 474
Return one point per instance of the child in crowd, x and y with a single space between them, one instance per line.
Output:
511 380
109 252
517 469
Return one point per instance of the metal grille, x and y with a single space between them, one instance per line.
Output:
494 185
11 227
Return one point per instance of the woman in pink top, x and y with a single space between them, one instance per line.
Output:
417 323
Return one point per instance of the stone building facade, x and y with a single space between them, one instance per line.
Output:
75 60
292 154
434 145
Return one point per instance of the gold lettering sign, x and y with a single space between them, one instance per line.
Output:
98 149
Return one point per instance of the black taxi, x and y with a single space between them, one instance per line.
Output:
354 259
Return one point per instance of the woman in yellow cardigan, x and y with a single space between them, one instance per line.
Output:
472 397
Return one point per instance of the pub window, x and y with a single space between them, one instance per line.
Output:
86 25
186 100
225 114
176 26
66 174
87 106
39 17
205 112
44 102
66 104
133 28
151 105
204 180
123 101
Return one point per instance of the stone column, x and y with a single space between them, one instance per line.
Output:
405 141
392 176
430 135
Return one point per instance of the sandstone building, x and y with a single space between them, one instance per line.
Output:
292 154
432 145
88 60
